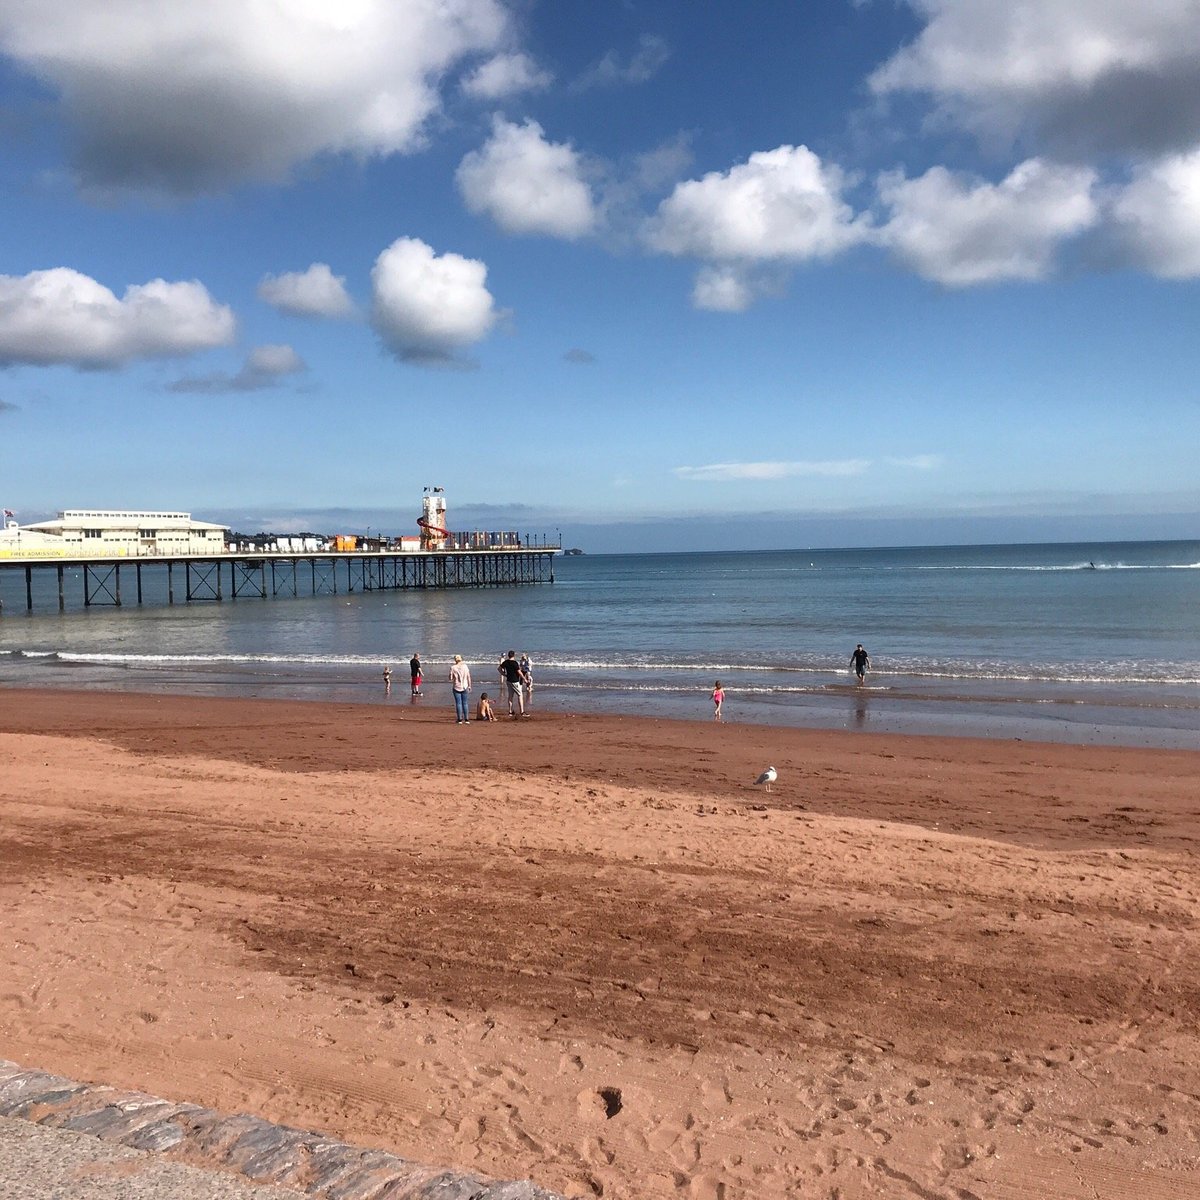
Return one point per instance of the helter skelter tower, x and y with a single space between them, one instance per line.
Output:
432 521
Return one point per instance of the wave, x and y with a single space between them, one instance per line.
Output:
633 672
1047 567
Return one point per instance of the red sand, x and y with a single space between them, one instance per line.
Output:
588 951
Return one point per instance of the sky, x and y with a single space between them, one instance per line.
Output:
649 275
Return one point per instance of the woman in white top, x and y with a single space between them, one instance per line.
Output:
460 684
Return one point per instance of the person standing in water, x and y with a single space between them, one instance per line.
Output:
718 698
860 660
414 668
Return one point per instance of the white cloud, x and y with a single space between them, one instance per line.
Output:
506 75
61 317
722 289
917 462
527 184
960 231
265 367
316 292
728 472
274 360
1156 217
1116 73
188 97
613 71
781 205
426 307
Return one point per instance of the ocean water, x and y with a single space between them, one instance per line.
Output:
1088 643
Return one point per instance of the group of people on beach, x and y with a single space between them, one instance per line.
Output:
516 682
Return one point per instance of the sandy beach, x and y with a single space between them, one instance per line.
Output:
587 951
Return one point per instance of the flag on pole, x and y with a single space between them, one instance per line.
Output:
8 512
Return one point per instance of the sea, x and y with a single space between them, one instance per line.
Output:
1090 643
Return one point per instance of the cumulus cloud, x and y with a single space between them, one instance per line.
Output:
727 288
960 231
316 292
190 97
729 472
779 205
506 75
527 184
265 367
62 317
1156 217
1109 74
613 70
426 307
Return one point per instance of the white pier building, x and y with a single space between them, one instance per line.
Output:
97 533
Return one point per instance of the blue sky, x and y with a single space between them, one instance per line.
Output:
656 275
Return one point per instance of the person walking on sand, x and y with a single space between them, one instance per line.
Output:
514 681
860 660
718 698
527 671
460 685
414 667
387 681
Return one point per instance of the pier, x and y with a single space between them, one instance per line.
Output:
266 575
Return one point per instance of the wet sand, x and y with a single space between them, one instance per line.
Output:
587 951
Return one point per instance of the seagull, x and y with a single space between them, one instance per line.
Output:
768 777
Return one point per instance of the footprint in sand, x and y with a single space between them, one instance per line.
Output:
599 1104
716 1094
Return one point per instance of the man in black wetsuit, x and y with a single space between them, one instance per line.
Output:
861 661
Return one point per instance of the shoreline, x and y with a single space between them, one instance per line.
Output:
1163 718
289 734
589 952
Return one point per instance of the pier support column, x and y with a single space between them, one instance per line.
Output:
62 600
170 584
29 589
138 569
